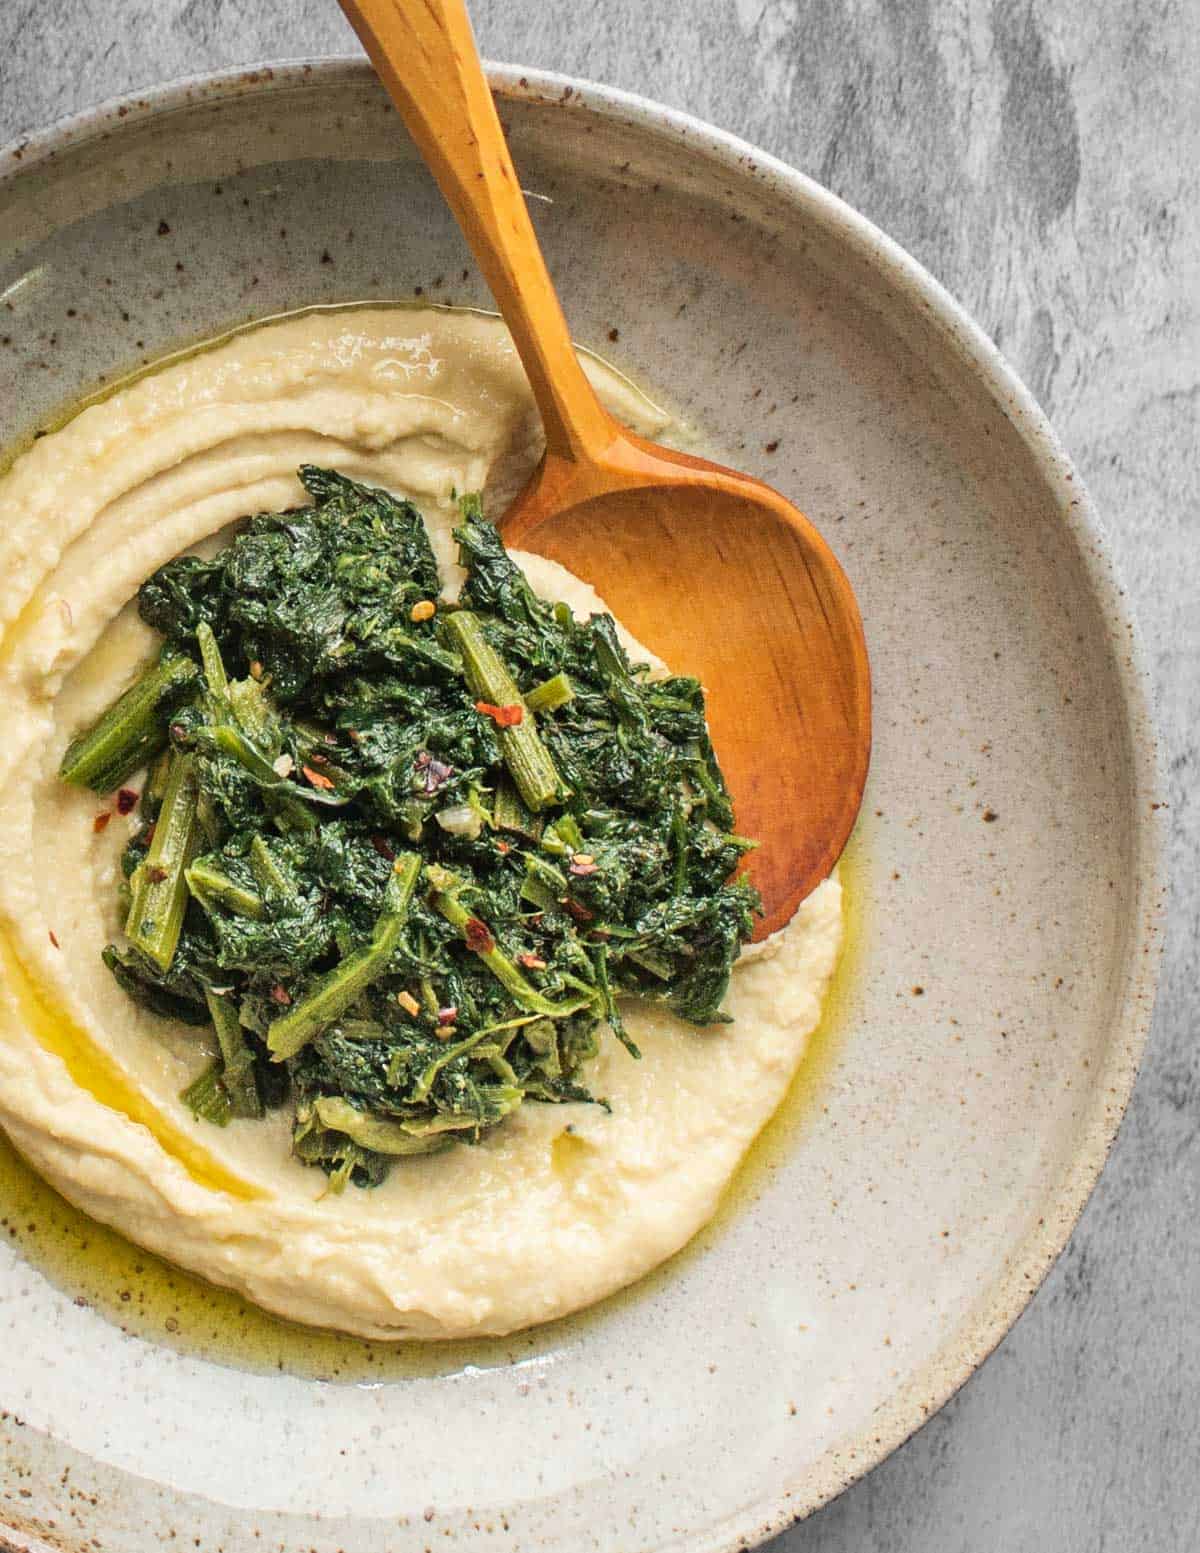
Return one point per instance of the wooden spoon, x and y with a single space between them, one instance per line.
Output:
715 571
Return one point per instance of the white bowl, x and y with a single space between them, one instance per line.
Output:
1006 882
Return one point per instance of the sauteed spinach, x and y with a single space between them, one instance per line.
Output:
406 857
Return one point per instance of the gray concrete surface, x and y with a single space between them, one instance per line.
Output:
1042 158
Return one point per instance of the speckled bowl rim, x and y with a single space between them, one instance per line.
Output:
922 1396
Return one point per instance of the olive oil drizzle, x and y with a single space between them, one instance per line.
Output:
95 1070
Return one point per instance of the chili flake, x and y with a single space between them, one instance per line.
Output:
156 873
408 1003
503 716
280 994
531 962
478 936
101 820
580 913
54 939
447 1015
126 799
317 778
384 849
583 864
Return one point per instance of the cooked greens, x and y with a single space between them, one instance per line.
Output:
406 857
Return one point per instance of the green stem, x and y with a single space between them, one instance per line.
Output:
376 1132
501 967
509 811
616 1023
550 695
238 1072
563 836
526 757
268 874
212 888
132 731
425 1082
160 892
232 742
290 816
210 657
155 786
544 885
470 1043
207 1098
621 687
655 964
679 839
346 983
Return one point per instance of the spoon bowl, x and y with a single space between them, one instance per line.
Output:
727 581
715 571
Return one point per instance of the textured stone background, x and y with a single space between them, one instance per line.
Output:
1042 158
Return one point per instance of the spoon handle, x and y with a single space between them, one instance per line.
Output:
424 53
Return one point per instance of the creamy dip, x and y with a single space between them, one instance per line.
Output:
556 1208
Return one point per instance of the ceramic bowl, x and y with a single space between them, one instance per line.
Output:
1005 880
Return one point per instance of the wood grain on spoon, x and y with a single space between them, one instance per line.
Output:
715 571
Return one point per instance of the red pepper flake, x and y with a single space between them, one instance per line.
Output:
381 846
317 778
149 836
531 962
447 1016
503 716
126 799
583 864
54 939
280 994
101 820
478 936
503 847
580 913
156 873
